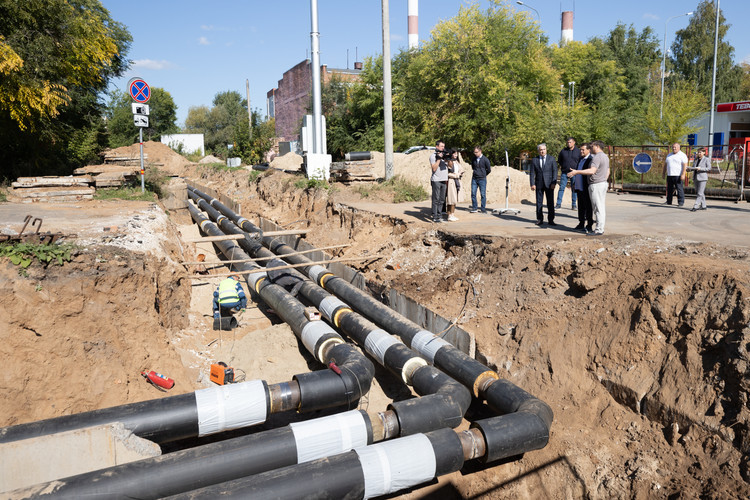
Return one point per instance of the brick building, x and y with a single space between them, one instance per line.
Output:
292 99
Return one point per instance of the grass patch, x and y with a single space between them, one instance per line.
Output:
311 184
398 188
218 167
129 193
23 254
254 176
3 196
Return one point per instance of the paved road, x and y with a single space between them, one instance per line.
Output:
723 222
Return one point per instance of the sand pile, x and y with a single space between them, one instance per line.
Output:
415 167
160 155
210 159
289 161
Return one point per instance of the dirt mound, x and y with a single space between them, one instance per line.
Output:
415 167
289 161
210 159
158 154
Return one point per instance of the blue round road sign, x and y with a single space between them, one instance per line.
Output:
139 90
642 163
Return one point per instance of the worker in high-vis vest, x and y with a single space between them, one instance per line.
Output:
229 297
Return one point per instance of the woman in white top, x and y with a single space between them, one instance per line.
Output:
455 194
701 166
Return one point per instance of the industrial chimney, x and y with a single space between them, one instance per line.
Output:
566 33
413 24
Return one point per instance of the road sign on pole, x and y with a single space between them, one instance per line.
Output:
140 121
141 93
642 163
139 90
139 109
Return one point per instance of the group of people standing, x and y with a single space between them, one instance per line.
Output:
588 169
445 181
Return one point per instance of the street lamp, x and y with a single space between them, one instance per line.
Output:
664 59
538 17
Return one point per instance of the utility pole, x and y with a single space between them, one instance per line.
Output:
387 105
713 89
249 109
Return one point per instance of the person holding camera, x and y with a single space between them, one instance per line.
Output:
438 180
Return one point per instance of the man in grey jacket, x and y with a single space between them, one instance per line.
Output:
598 172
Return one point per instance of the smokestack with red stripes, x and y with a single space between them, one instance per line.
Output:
413 24
566 33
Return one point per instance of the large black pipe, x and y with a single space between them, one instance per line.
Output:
159 420
437 410
323 389
529 417
356 474
213 463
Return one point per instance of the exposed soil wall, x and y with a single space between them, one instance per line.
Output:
75 338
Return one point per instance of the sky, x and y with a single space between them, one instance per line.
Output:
196 49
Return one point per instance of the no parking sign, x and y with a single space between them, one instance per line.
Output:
139 90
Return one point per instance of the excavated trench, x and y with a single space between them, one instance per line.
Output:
639 345
643 342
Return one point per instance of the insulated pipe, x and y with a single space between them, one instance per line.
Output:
321 389
445 402
167 419
218 462
366 472
470 372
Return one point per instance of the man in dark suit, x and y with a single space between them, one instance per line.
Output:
543 179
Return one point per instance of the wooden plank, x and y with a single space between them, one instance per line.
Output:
260 259
228 237
290 266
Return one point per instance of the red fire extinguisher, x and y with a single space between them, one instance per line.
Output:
158 379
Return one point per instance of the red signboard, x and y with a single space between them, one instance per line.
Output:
733 106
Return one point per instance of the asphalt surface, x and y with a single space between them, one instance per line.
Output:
724 222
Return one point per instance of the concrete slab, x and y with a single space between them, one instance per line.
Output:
46 458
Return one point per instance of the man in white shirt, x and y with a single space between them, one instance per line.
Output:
674 171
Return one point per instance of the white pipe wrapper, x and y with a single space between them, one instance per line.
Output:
230 406
326 436
315 272
328 305
255 277
312 332
396 465
427 344
241 221
377 342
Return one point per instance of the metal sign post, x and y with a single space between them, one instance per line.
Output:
141 93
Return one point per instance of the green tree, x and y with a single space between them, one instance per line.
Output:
253 151
56 59
636 56
683 103
693 58
218 123
162 118
470 82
